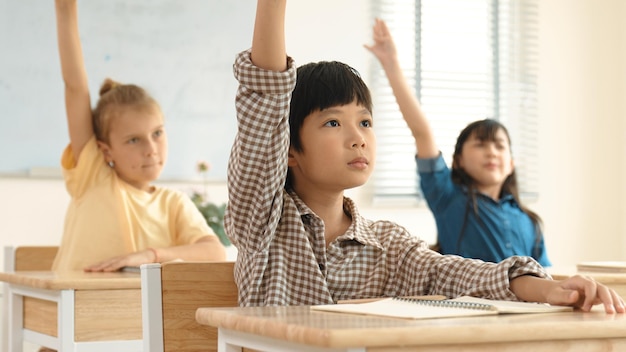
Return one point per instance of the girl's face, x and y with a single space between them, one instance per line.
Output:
488 162
338 150
137 145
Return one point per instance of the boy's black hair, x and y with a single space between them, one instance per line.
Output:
319 86
322 85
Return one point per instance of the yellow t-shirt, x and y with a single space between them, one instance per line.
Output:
108 217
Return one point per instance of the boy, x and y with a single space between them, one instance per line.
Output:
299 145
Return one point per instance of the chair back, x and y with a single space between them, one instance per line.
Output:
185 287
30 258
24 258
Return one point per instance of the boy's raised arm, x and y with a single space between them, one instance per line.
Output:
385 51
268 41
77 101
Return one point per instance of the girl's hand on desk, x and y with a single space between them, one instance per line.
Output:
584 292
117 263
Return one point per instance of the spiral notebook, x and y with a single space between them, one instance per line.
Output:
465 306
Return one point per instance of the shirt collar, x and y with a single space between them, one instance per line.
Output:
506 198
361 230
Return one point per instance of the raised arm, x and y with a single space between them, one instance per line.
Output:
268 40
77 101
385 51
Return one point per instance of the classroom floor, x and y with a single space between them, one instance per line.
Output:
28 347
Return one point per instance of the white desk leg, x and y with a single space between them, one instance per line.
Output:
224 344
15 314
5 318
9 261
151 307
65 321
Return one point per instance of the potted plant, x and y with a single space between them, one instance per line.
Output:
213 213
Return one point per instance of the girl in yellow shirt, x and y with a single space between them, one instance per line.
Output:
116 216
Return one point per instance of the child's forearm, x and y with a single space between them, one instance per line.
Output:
268 41
411 110
531 288
70 50
77 100
206 249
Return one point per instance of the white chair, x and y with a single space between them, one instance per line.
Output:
24 258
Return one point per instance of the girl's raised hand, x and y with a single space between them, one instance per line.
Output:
383 48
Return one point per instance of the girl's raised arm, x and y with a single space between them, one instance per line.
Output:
77 101
385 51
268 40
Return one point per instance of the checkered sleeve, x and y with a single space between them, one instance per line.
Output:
454 276
258 161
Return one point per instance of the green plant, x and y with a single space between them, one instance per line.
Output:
213 213
214 216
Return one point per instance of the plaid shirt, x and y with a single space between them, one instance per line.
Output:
282 256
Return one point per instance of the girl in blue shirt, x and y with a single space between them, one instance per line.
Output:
476 204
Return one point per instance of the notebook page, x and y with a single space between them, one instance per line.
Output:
507 307
390 307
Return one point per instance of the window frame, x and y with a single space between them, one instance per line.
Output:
514 46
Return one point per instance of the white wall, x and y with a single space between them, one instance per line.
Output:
583 130
582 84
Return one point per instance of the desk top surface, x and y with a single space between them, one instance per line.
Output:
607 278
78 280
299 324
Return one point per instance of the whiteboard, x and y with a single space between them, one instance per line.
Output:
181 51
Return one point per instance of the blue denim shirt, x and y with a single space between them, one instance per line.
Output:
500 230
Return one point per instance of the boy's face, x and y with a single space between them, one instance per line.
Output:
137 145
338 150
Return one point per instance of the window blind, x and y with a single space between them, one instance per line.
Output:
467 60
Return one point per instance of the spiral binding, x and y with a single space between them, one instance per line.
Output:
446 303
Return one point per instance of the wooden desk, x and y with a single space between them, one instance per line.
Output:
296 328
616 281
73 311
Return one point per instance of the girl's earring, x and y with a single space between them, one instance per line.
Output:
111 164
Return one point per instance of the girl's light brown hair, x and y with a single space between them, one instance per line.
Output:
114 97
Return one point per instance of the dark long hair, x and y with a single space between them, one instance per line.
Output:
485 130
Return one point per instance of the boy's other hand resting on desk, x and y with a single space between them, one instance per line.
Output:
578 291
